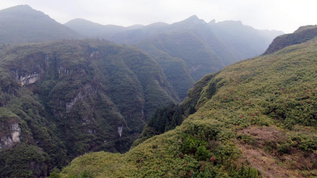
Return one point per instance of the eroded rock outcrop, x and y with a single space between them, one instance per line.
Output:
9 134
85 91
28 79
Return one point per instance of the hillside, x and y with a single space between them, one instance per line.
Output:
22 24
190 48
59 100
301 35
254 118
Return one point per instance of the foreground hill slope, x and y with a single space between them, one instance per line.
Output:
22 24
255 118
59 100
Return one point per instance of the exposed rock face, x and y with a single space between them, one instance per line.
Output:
28 79
87 90
10 135
120 129
16 131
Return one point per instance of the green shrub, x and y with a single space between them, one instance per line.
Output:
308 144
248 139
202 153
54 175
284 148
191 144
243 172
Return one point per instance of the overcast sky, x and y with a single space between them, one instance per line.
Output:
285 15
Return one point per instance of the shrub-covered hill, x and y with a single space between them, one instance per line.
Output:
256 118
59 100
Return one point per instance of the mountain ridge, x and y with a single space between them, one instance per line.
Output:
194 48
301 35
22 24
203 47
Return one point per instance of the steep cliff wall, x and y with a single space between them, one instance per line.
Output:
72 97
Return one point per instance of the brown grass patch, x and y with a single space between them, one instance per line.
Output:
263 155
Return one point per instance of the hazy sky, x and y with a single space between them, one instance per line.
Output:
285 15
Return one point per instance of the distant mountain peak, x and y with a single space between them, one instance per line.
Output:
194 19
19 9
22 12
191 21
213 21
22 23
22 6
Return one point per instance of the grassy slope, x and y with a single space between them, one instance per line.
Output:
259 113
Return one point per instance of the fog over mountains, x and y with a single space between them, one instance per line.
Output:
69 89
22 24
186 50
193 47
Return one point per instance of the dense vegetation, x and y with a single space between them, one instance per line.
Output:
168 117
62 99
254 118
